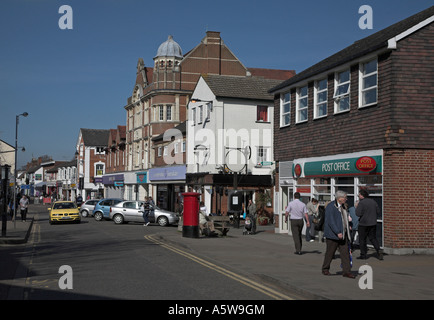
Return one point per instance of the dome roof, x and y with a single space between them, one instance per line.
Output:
169 48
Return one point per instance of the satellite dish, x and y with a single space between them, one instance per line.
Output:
235 160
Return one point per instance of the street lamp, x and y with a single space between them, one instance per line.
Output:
24 114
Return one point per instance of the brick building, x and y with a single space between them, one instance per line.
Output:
159 102
91 162
363 119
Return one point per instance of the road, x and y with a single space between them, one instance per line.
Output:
107 261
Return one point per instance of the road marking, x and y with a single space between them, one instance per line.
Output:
250 283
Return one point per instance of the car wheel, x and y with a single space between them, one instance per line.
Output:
98 216
84 213
118 219
163 221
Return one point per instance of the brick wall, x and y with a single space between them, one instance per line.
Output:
402 118
408 188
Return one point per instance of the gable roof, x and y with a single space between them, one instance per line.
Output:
361 47
253 88
95 137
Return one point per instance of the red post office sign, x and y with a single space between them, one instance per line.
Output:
366 164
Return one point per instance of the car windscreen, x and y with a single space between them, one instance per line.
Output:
66 205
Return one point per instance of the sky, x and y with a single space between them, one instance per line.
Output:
67 79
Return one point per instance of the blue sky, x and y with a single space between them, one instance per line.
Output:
81 78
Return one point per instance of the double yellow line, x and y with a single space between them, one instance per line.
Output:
252 284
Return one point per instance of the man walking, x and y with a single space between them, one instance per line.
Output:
337 233
368 211
297 211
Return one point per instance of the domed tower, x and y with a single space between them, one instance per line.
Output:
167 65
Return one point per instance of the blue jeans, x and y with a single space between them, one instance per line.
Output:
308 235
145 216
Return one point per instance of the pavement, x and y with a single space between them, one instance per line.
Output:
268 257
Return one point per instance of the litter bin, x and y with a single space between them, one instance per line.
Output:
190 227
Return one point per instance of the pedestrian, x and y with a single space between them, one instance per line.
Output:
24 203
79 200
144 209
337 233
354 225
312 212
251 209
297 211
368 211
206 225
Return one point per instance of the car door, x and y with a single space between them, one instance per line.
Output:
105 207
130 210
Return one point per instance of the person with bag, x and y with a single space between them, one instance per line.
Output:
144 208
368 210
312 212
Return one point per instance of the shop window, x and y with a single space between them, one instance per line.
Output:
322 190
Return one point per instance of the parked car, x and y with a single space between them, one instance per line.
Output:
64 211
102 208
128 211
87 208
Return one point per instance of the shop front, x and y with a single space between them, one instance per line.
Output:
168 184
114 185
321 177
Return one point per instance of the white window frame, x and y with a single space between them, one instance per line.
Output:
200 114
99 164
262 154
345 95
298 108
183 146
159 151
165 150
283 114
193 115
362 76
316 102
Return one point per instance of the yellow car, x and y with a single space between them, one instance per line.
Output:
64 211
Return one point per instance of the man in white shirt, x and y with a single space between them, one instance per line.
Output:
297 211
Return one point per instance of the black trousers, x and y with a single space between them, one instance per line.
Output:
332 246
369 232
296 228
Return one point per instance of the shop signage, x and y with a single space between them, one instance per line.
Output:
110 180
167 173
339 167
118 183
142 177
366 164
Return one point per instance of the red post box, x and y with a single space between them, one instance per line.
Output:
190 227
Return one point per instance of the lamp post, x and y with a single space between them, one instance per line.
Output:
24 114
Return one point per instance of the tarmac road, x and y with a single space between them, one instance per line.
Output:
268 258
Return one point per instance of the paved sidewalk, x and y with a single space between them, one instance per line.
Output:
270 257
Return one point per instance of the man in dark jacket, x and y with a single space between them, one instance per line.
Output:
368 211
337 234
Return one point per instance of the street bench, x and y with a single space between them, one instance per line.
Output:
221 223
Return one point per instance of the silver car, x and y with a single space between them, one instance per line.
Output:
86 208
128 211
